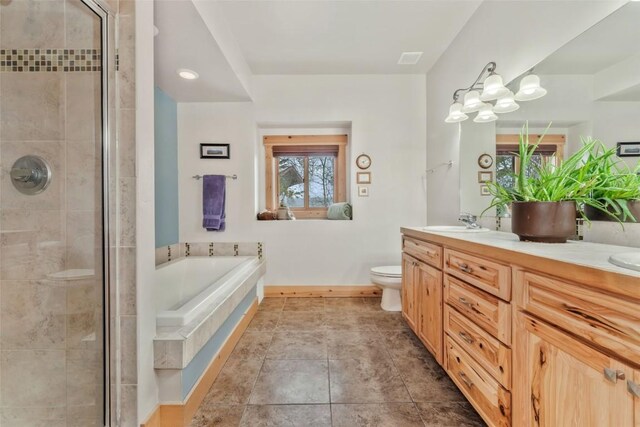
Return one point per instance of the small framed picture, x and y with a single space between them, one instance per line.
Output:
214 151
484 190
363 177
363 191
628 149
485 176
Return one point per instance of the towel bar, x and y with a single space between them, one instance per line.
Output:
234 176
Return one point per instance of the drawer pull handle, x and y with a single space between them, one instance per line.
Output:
613 375
633 388
465 268
465 379
466 337
464 301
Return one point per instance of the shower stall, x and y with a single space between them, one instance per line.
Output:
58 211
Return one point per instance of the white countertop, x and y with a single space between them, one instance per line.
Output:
593 255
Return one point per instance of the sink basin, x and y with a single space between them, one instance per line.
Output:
454 229
629 260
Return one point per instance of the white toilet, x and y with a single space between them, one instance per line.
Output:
389 278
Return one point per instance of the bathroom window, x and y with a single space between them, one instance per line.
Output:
307 173
549 150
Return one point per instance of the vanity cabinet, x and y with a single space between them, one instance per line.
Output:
430 309
409 294
528 341
562 381
422 293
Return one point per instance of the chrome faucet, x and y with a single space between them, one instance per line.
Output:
469 220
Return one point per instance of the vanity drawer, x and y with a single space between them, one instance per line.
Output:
489 398
427 252
485 310
487 275
490 353
606 321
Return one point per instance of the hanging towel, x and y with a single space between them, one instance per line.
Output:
213 201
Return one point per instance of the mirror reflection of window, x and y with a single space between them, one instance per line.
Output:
549 151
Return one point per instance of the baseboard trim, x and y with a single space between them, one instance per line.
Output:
322 291
176 415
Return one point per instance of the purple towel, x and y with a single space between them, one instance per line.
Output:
213 195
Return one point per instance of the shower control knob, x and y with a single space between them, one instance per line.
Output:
30 175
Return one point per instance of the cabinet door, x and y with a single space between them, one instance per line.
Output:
409 300
559 381
429 283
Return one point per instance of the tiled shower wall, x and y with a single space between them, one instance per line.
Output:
125 400
50 331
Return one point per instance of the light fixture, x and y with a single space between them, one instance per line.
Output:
493 88
530 88
455 114
486 114
188 74
506 104
472 102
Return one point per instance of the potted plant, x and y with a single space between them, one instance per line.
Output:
546 197
617 187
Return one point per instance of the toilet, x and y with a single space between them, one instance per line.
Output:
389 278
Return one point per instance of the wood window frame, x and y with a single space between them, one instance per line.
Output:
550 140
338 142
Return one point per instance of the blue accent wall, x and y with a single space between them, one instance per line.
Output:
193 371
166 169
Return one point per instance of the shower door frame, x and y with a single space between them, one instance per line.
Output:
103 11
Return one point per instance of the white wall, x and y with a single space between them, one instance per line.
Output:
515 34
387 118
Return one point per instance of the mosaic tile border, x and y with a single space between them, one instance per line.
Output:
50 60
166 254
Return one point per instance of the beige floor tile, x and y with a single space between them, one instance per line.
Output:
264 321
234 383
426 381
271 304
376 415
252 344
365 380
291 382
209 415
304 304
298 345
286 416
301 321
449 414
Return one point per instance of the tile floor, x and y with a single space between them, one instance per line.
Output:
331 362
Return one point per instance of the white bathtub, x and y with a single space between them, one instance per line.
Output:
191 287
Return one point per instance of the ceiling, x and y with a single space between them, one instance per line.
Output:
344 37
184 41
610 41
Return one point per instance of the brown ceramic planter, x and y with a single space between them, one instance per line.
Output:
547 222
597 215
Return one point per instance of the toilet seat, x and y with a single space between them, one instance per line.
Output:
392 271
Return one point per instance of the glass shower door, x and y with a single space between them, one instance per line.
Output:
51 214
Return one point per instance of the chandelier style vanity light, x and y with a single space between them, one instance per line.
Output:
489 96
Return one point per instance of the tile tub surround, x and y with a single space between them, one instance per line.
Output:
170 253
369 370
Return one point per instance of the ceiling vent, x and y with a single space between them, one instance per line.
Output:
409 58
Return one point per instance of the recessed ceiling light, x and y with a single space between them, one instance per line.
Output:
409 58
188 74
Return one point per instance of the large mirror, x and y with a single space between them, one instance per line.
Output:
593 90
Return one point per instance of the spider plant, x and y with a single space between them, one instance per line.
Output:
617 185
573 179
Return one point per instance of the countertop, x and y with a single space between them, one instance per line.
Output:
593 257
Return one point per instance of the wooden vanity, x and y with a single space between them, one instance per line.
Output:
533 335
